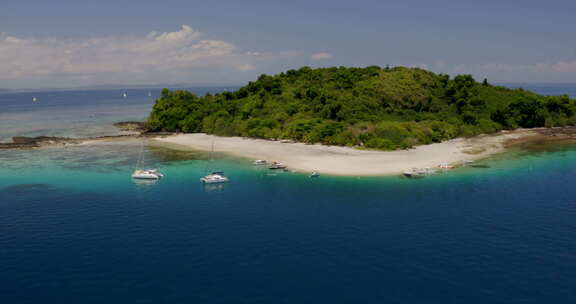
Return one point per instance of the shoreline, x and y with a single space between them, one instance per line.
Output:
328 160
346 161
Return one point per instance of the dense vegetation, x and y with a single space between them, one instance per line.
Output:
380 108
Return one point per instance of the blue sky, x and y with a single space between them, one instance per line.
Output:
65 43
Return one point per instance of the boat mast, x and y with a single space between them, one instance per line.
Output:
141 156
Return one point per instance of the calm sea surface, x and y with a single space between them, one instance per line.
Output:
74 228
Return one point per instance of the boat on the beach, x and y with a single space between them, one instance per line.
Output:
276 166
445 166
214 178
147 174
259 162
315 174
419 172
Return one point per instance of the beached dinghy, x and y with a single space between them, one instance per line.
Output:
416 172
276 166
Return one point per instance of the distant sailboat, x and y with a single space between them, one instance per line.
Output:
149 94
125 95
34 99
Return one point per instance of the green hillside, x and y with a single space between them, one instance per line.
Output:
373 107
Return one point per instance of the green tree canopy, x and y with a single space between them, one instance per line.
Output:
380 108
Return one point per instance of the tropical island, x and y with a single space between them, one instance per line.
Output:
372 107
360 121
349 121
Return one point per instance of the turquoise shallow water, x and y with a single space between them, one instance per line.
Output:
74 228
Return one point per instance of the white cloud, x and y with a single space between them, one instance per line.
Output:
321 56
147 57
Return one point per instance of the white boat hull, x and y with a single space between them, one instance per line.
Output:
214 178
213 181
147 174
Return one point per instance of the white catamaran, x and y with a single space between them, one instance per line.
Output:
215 177
153 174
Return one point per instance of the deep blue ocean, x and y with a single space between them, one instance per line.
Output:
74 227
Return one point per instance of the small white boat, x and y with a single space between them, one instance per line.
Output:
416 172
315 174
214 178
445 166
412 173
149 94
276 166
34 99
260 162
125 95
147 174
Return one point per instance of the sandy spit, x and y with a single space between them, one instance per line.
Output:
345 161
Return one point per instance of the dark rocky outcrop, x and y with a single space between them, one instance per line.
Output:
135 126
26 142
23 142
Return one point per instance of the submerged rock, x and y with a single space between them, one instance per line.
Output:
23 142
131 126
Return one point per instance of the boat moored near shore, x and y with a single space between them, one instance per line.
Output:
419 172
276 166
147 174
215 178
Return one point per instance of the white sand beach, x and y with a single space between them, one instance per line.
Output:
332 160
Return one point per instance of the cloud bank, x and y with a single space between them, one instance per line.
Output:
150 58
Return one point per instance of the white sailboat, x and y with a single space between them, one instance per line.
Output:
149 94
125 95
149 174
34 99
216 177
